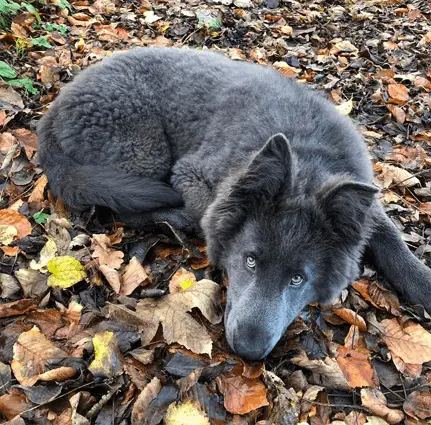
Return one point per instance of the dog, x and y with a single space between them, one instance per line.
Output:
277 180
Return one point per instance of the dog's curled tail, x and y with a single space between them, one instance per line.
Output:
81 186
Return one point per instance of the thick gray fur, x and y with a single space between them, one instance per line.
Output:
265 167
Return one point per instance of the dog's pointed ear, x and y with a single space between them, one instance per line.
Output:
346 205
270 170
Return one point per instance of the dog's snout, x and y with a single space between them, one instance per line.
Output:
251 343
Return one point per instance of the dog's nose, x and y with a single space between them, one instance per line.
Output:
251 345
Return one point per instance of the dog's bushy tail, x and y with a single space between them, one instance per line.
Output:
81 186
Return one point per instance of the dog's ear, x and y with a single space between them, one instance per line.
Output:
269 171
346 205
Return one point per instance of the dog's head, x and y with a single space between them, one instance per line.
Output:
281 251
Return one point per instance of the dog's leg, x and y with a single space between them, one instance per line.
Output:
406 273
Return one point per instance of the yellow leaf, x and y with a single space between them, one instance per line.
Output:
345 108
7 234
181 281
185 414
107 356
66 271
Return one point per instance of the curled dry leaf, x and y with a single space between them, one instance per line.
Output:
400 341
146 396
31 354
16 308
345 108
172 312
351 317
384 298
37 193
330 373
101 246
397 113
376 402
107 356
13 218
357 368
418 404
397 176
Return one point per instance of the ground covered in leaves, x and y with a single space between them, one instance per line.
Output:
106 325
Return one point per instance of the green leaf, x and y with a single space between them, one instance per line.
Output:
6 71
30 8
26 83
66 271
9 7
56 27
41 218
41 41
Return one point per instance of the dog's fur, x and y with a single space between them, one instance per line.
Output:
266 166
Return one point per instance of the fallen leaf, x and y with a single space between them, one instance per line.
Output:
33 283
376 402
397 176
10 251
7 234
178 326
31 354
384 298
398 93
146 396
38 190
184 414
356 368
397 113
17 220
47 253
16 308
345 108
400 341
101 246
108 360
66 271
181 280
241 394
418 404
351 317
134 276
330 373
8 285
11 405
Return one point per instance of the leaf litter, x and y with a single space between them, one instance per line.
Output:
105 325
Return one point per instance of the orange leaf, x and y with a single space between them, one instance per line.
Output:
14 218
384 298
16 308
356 368
375 401
241 394
351 317
397 113
37 193
398 93
10 251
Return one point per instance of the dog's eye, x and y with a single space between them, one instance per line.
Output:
250 261
296 280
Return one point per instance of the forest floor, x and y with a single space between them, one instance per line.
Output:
107 325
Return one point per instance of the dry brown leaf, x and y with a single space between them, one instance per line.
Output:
39 187
407 369
330 373
418 404
31 354
101 246
376 402
397 176
357 368
181 280
16 308
147 395
397 113
12 405
356 341
412 343
384 298
112 276
241 394
134 276
27 140
178 326
399 93
351 317
17 220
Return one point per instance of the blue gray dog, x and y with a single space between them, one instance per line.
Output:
278 182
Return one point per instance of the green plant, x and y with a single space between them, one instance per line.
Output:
9 8
8 74
41 41
61 28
